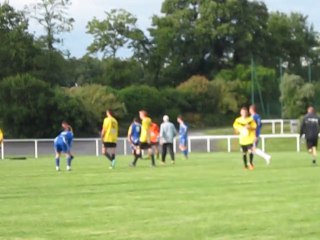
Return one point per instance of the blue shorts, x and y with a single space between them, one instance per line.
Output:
61 147
183 142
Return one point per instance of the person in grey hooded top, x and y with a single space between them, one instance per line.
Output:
167 135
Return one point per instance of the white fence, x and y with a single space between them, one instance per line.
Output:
274 122
92 146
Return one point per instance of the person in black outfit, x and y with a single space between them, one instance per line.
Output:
310 128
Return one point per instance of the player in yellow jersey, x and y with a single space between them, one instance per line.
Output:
245 126
109 136
145 137
1 138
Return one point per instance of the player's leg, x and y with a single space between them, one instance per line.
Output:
57 150
170 146
57 159
137 154
250 151
105 151
164 153
311 146
261 153
156 150
183 147
151 154
314 150
314 155
69 160
244 156
113 156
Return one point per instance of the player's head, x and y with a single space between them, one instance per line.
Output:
244 112
166 118
311 109
65 125
143 114
135 120
253 109
180 119
109 113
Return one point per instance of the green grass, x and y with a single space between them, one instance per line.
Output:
209 196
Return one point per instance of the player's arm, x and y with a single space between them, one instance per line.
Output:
253 125
129 134
104 128
1 136
237 126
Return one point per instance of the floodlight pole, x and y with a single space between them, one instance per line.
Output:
252 80
281 73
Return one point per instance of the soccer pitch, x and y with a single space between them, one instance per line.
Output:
209 196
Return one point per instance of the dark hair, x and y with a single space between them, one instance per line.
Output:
244 108
180 117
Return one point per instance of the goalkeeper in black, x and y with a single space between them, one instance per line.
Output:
310 128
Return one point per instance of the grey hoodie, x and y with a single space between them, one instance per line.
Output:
167 132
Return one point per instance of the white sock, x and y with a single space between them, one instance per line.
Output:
262 154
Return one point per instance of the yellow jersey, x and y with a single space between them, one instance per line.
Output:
247 135
1 136
110 130
145 130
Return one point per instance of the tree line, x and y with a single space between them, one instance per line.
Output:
204 59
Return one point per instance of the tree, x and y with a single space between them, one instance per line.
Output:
96 99
202 37
112 33
17 50
27 106
290 37
296 95
52 15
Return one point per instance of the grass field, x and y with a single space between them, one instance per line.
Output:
209 196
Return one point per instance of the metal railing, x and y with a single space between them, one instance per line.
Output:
92 146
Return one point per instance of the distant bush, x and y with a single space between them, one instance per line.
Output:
144 97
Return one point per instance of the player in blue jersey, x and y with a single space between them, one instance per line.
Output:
63 144
256 117
183 137
134 133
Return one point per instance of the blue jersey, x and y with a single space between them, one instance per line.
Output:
63 142
134 132
256 117
183 131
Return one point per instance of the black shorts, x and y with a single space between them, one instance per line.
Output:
312 142
154 143
246 148
144 145
109 145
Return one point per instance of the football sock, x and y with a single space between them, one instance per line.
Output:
113 162
69 159
251 158
245 160
136 157
262 154
152 160
108 156
57 162
185 153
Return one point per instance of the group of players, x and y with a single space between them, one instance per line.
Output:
145 135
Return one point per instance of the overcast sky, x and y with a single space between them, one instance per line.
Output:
84 10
